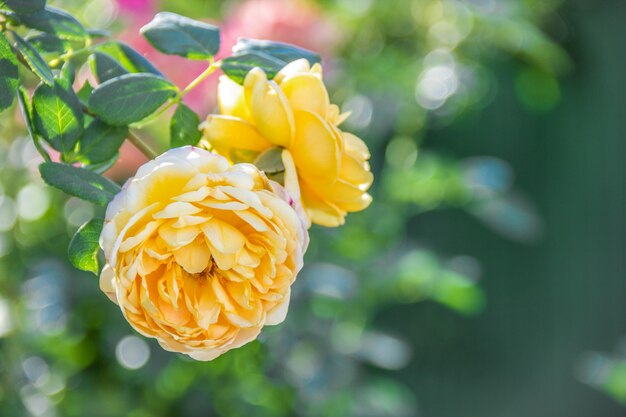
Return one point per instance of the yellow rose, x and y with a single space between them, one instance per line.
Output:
201 254
293 112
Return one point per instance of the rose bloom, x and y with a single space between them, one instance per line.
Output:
201 254
293 112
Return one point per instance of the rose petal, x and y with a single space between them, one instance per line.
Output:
269 107
315 148
194 258
306 92
228 132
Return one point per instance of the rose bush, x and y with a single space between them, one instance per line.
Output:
293 112
201 254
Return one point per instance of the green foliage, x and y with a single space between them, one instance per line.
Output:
57 22
238 65
184 127
24 7
84 93
420 275
27 114
36 63
100 142
105 67
283 51
58 116
127 57
67 75
321 361
267 55
79 182
46 43
178 35
130 98
270 161
8 73
537 90
84 246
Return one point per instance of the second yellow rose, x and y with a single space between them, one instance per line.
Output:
327 167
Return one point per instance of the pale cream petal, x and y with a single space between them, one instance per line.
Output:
206 355
228 205
251 199
194 258
253 220
132 241
176 238
277 314
197 194
186 221
177 209
107 283
111 249
223 237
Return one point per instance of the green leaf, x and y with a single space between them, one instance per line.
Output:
238 66
9 79
270 161
34 60
458 293
27 114
100 142
104 67
79 182
24 7
9 16
130 98
178 35
58 116
46 43
270 56
98 33
84 93
184 127
57 22
84 246
128 58
279 50
67 75
138 61
103 167
27 111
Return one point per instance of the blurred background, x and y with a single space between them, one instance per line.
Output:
487 279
